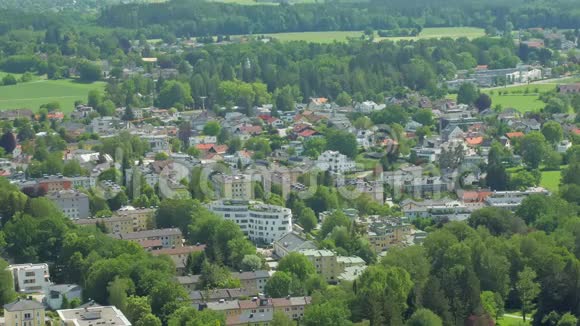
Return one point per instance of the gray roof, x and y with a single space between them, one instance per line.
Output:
188 279
293 242
23 304
251 275
64 288
259 317
150 234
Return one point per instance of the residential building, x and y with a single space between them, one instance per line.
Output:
437 209
157 143
253 282
259 310
54 183
262 223
104 125
291 242
179 255
116 224
384 233
94 315
30 278
334 161
73 203
24 312
238 186
292 307
166 238
189 282
569 88
83 182
57 292
329 265
142 217
512 199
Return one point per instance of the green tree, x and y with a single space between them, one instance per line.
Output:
527 289
89 72
553 132
251 263
212 128
7 293
341 141
307 219
327 314
568 320
483 102
175 93
72 168
424 317
467 93
149 320
343 99
191 316
8 80
533 148
137 308
118 291
279 285
297 264
280 319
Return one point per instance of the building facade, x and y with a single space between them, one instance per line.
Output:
262 223
24 312
73 204
30 278
237 186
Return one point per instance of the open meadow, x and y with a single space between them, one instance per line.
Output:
33 94
341 36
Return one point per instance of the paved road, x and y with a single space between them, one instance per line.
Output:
513 316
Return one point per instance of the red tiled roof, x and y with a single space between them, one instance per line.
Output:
220 149
516 134
204 147
473 141
151 243
253 130
307 133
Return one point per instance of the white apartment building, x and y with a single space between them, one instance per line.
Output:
91 316
262 223
30 278
334 161
512 199
158 143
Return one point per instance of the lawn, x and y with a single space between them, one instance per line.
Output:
551 179
524 98
512 318
33 94
341 36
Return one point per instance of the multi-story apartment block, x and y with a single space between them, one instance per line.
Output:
329 265
252 283
259 310
165 238
24 312
512 199
30 278
73 204
90 316
115 224
334 161
54 183
262 223
237 186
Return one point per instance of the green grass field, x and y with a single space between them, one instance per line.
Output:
551 179
341 36
524 98
33 94
512 318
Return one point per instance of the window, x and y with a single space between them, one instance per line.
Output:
27 316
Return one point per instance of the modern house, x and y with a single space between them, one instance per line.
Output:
30 278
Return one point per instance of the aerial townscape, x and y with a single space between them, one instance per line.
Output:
289 162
